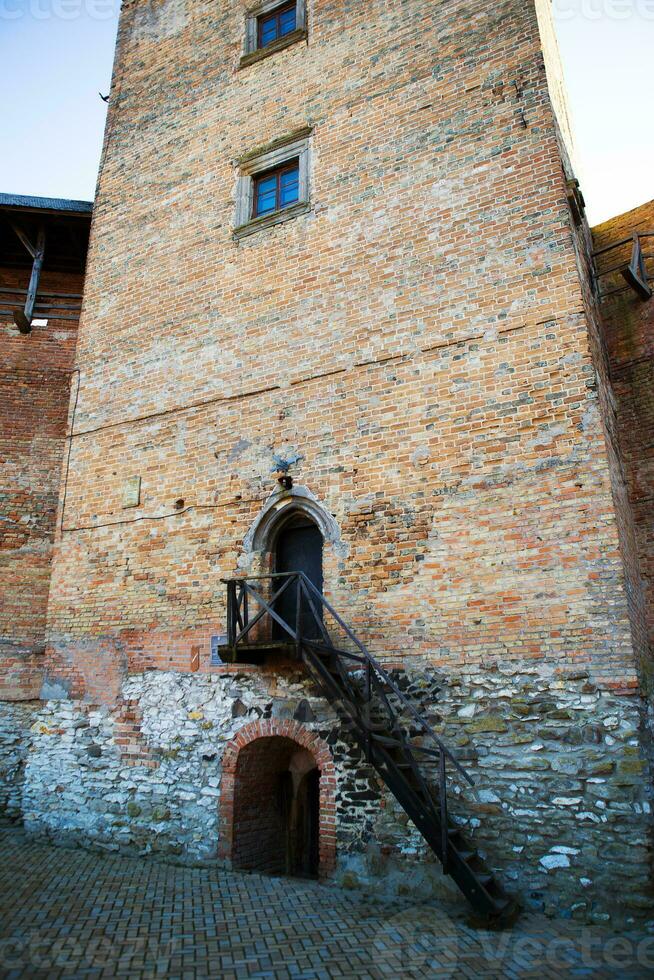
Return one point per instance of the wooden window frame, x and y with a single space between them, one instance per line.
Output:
276 12
278 155
276 172
252 51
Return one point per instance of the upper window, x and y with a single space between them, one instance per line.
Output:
271 25
276 189
276 24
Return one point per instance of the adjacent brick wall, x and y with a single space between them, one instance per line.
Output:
35 373
629 338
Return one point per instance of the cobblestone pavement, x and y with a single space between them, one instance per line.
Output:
78 913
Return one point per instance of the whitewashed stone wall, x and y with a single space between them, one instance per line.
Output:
16 718
79 782
562 805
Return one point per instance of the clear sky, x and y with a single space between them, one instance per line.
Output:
56 55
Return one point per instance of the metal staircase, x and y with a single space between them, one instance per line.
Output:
394 738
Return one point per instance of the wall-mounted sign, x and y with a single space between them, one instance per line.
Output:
216 643
132 492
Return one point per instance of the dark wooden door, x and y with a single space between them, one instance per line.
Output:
299 549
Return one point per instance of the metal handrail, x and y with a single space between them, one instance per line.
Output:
369 660
388 679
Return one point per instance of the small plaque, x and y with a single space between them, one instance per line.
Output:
216 643
132 492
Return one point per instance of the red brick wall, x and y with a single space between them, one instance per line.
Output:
419 338
35 372
629 339
128 736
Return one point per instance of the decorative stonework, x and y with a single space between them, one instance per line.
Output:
298 499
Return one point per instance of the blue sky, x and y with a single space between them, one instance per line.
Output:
56 55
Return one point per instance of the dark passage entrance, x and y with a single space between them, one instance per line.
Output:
301 808
298 549
277 809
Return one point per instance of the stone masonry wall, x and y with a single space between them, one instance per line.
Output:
35 372
562 806
16 720
146 774
565 800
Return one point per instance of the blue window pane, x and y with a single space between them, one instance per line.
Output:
289 197
267 195
290 177
287 21
268 29
266 202
267 184
289 187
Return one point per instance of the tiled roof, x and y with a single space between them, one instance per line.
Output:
45 203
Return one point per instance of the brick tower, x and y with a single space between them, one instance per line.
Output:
335 283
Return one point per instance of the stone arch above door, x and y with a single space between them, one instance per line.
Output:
305 739
277 509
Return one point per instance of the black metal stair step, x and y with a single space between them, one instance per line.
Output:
386 740
337 675
507 910
394 748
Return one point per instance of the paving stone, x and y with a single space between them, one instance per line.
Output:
74 913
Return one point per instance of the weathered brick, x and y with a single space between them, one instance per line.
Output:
35 373
426 343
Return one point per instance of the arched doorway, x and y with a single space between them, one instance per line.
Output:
255 827
277 809
297 547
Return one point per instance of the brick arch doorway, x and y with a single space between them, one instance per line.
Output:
277 801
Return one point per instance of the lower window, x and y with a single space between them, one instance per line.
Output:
273 184
276 189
